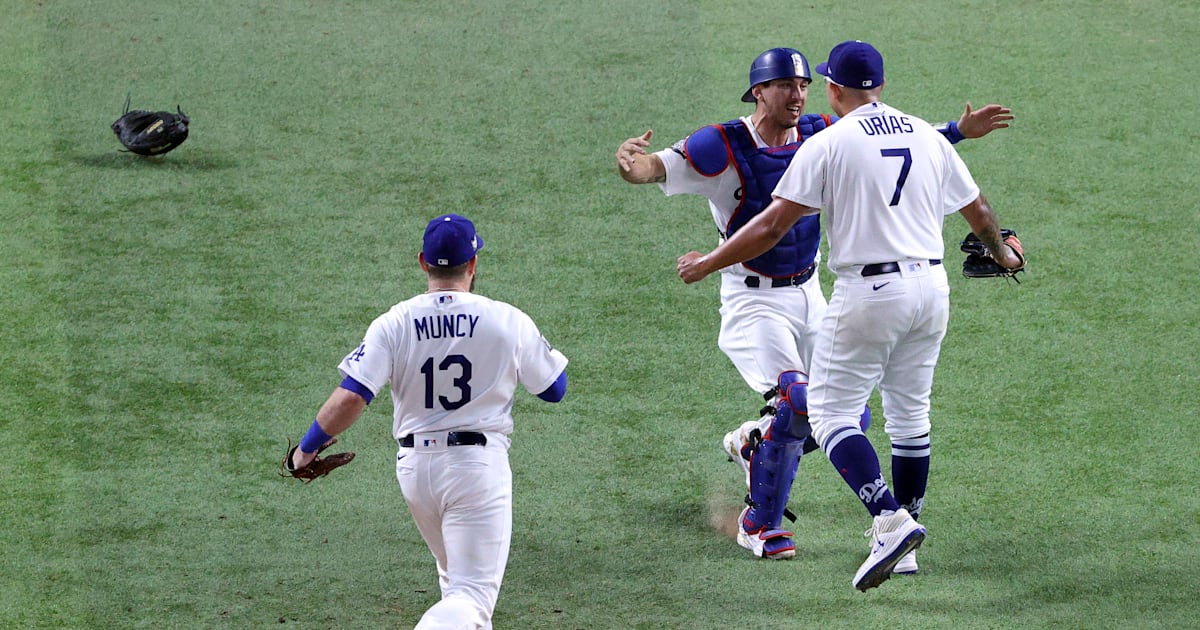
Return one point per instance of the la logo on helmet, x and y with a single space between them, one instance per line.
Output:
800 63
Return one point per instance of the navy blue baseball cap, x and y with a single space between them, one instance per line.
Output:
450 240
854 64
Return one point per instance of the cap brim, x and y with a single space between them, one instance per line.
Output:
823 69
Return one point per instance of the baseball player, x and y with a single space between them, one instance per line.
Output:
884 180
454 360
770 304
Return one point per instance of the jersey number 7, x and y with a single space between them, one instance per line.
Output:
900 153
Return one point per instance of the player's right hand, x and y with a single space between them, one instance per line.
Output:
691 267
629 150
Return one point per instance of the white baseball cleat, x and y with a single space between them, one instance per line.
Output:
772 544
907 564
732 445
892 538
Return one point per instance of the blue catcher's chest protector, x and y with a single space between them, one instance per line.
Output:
760 170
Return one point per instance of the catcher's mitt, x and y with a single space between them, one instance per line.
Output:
979 262
318 467
151 133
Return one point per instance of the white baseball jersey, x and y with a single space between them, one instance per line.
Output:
886 219
454 360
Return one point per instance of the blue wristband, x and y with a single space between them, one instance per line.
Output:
314 439
952 133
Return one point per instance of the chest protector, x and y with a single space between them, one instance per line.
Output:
760 169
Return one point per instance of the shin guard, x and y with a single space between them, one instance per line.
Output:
774 461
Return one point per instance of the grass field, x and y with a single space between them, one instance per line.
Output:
168 323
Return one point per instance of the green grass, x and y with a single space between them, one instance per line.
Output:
167 323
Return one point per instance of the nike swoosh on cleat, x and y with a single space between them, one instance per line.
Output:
876 287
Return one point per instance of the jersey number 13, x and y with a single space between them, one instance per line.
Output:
459 368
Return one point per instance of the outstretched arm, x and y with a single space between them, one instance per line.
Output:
754 238
635 165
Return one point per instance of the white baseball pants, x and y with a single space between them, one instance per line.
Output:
884 330
460 498
768 330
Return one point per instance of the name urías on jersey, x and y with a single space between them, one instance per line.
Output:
443 326
885 125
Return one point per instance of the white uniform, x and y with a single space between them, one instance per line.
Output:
764 331
884 181
454 360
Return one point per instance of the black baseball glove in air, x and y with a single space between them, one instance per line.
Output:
151 133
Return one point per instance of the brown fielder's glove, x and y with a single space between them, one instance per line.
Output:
979 262
318 467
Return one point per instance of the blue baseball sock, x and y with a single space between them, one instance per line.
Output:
910 472
852 455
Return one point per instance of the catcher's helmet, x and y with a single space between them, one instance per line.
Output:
777 63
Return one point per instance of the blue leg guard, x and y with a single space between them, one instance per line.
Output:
773 468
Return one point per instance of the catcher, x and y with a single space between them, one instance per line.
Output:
981 263
151 133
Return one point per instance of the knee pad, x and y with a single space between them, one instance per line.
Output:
793 387
793 391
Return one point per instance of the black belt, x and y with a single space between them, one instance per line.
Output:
453 438
881 268
791 281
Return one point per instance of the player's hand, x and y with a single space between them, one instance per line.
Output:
300 459
692 267
1009 258
980 122
629 150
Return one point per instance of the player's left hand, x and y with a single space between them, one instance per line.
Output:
309 466
691 267
980 122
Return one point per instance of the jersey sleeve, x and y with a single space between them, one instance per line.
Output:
960 187
370 363
539 364
804 180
